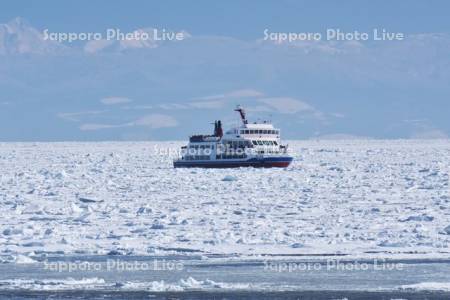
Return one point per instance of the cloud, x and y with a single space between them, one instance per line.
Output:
73 116
89 127
170 106
246 93
337 115
97 45
153 121
115 100
208 104
136 107
218 101
243 93
287 105
258 108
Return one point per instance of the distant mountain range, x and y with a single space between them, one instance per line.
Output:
18 37
112 90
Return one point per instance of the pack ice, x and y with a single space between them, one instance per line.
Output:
359 197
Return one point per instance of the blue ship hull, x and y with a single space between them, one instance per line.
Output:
265 162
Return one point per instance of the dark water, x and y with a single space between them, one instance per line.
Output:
290 279
303 295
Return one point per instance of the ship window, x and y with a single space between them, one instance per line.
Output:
264 131
275 143
260 143
266 143
255 143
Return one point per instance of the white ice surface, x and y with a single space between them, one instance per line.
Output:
353 197
428 286
95 283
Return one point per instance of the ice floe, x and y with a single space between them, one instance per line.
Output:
350 197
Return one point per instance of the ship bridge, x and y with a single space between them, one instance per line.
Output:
254 130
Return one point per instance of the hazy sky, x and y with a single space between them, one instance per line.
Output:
240 19
105 90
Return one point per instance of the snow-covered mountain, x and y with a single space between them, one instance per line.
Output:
19 37
147 38
386 89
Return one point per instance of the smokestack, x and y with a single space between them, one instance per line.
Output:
219 129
